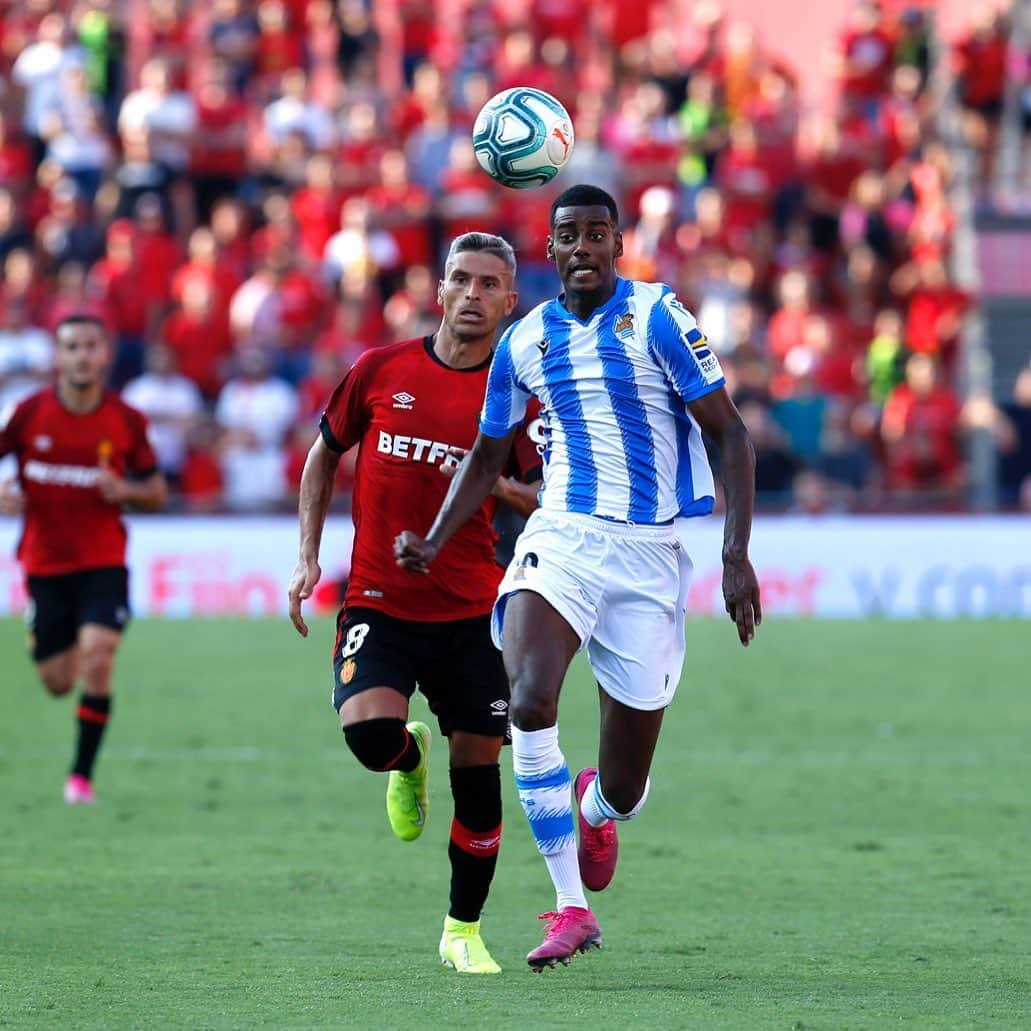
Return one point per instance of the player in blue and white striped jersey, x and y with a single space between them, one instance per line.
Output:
628 384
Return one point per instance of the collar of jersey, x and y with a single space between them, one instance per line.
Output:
618 296
427 344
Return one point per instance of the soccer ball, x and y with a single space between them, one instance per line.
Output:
522 137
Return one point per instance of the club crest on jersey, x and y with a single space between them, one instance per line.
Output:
403 400
105 449
347 671
624 326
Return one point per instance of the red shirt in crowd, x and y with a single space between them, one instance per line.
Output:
405 408
871 56
202 346
119 287
222 278
157 257
980 64
403 210
318 218
303 307
217 148
932 319
68 524
925 452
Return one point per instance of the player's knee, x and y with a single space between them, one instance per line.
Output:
530 707
377 744
533 713
56 683
97 661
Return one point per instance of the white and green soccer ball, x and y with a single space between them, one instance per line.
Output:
522 137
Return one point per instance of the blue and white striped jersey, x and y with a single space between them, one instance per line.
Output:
619 440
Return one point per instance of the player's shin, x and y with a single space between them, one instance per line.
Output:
475 838
542 778
92 716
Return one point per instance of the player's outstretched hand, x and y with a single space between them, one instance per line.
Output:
302 583
741 594
412 552
12 501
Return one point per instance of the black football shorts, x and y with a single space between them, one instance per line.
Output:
59 605
454 664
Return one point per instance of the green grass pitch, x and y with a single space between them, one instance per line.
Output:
838 836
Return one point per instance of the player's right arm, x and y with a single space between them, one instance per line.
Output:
343 423
317 480
12 501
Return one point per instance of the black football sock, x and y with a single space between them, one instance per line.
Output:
93 713
475 838
383 744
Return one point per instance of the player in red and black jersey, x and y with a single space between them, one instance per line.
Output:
82 454
412 408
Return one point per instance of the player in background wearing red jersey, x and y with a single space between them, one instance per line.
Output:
409 406
82 454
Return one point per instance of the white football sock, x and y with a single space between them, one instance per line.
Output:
542 778
595 808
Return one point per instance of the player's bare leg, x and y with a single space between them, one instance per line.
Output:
57 673
93 660
539 645
618 792
375 728
473 848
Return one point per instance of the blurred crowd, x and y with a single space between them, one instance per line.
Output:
251 194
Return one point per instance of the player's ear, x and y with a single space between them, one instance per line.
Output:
549 249
440 292
619 244
510 301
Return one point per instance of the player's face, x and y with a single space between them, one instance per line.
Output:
82 355
476 294
584 244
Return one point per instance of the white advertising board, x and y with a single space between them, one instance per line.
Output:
846 567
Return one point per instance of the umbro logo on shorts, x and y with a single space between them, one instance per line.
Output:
499 708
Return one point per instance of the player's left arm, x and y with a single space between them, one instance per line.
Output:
144 486
476 477
522 496
146 494
717 415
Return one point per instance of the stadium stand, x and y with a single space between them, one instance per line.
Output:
251 194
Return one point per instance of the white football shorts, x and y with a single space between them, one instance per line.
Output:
621 587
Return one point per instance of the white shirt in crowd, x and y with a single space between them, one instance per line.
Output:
169 118
262 410
26 363
38 71
170 402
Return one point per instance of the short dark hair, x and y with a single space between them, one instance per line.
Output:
584 195
485 243
81 319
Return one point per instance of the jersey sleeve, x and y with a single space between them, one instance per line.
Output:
347 414
504 405
682 349
141 460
